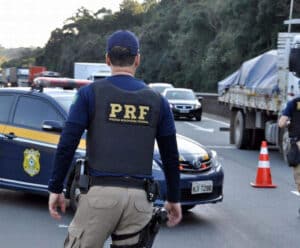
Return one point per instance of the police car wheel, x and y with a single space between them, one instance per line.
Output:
74 195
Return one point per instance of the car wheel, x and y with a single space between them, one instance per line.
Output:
74 195
198 117
186 208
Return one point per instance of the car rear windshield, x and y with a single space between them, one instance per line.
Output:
160 89
65 100
182 95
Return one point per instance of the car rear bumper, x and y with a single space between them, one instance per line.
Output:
189 113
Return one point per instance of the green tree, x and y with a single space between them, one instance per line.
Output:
191 43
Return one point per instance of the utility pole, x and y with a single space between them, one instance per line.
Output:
291 14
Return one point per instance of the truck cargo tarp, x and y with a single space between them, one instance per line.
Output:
258 74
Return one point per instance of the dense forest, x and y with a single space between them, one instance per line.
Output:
190 43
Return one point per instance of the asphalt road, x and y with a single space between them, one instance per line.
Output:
247 217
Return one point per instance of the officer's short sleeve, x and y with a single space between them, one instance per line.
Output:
166 124
80 110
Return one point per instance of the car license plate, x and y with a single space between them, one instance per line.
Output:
184 111
201 187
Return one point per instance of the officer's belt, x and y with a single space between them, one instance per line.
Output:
117 182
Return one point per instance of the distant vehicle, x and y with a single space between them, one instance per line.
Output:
183 103
34 71
22 77
91 71
15 76
160 87
9 76
48 74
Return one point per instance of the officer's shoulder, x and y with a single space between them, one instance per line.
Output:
86 90
155 93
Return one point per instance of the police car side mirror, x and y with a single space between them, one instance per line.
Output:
52 126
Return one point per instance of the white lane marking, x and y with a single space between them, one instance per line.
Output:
62 226
295 193
210 130
220 147
220 122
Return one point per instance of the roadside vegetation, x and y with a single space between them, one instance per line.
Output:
190 43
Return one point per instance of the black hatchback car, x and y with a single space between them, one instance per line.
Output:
183 103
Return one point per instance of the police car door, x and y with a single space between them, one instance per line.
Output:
29 151
7 100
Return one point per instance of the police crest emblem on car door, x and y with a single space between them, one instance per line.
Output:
31 162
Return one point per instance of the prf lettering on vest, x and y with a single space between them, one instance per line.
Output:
129 113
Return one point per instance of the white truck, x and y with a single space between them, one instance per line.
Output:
259 90
15 76
22 77
91 71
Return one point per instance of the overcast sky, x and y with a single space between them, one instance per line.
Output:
30 22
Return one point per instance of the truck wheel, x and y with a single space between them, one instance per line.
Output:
257 136
241 134
74 195
284 144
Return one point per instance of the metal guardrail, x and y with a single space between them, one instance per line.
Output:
206 94
211 105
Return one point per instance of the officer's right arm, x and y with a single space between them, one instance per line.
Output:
69 140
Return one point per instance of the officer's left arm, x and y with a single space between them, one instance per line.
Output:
286 115
283 121
167 144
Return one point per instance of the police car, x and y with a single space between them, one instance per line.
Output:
31 120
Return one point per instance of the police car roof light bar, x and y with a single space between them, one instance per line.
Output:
53 82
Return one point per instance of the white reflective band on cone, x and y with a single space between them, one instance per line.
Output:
264 164
264 150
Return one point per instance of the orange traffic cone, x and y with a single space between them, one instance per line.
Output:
263 176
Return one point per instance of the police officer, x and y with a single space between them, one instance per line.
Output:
291 118
123 117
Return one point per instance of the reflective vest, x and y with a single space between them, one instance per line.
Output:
121 135
294 127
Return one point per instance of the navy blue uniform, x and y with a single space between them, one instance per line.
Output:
288 109
79 118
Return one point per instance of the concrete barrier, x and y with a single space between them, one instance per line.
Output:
211 105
